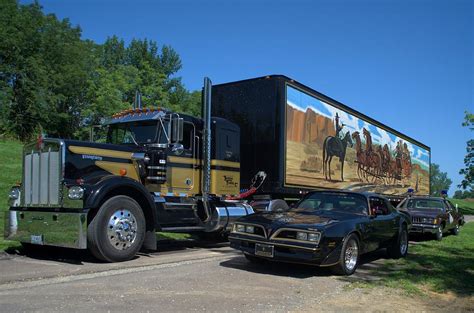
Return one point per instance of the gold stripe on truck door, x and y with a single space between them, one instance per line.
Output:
101 152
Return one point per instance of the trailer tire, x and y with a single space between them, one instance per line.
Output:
117 231
278 205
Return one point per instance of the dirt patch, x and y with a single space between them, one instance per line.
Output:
390 300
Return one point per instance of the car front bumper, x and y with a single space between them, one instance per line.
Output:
289 252
61 229
424 228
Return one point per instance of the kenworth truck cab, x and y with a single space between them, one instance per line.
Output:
157 171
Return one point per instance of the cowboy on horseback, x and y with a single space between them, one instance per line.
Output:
338 126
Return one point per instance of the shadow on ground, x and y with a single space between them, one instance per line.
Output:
300 271
79 257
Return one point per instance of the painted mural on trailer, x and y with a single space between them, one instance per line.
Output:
327 147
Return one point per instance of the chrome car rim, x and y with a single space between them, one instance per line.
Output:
122 229
351 254
403 242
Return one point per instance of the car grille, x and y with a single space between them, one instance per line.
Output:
42 173
417 220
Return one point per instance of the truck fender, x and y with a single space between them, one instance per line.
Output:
113 185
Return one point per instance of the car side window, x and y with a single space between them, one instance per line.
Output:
380 205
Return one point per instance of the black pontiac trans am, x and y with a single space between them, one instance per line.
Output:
325 228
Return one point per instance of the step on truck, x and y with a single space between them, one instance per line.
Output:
269 141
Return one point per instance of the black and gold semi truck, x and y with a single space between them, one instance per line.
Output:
164 171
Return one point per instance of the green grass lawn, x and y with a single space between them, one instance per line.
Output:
10 173
465 206
435 266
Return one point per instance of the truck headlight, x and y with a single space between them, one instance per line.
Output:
14 193
75 193
249 229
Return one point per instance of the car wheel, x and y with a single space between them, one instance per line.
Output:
455 230
254 259
117 231
399 248
349 258
439 232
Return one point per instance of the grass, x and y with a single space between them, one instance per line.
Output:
465 206
431 266
10 173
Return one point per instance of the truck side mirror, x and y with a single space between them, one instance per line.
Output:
176 129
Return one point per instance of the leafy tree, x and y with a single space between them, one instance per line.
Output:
51 79
439 180
468 170
464 194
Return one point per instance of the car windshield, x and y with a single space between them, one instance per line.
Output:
425 204
351 203
136 133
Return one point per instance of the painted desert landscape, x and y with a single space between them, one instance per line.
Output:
319 136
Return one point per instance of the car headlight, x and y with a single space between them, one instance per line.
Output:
313 237
302 236
14 193
240 228
75 193
249 229
435 221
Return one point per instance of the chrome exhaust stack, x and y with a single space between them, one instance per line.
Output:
206 168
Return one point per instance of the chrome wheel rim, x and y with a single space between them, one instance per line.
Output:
403 242
122 229
351 254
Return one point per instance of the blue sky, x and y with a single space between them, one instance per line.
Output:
407 64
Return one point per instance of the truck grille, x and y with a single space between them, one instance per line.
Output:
416 220
42 172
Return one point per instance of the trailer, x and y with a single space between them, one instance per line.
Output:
268 141
305 140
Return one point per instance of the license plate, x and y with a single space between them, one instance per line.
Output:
264 250
37 239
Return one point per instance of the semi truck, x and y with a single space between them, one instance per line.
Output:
268 141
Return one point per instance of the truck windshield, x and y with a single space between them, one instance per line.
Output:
425 204
350 203
136 132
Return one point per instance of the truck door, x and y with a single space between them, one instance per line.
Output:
183 163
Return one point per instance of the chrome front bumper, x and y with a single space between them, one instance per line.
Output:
424 228
47 228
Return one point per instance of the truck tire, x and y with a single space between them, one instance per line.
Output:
349 258
117 231
278 205
399 247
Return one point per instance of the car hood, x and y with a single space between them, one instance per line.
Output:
425 212
297 219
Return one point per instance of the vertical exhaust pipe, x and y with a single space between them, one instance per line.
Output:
206 170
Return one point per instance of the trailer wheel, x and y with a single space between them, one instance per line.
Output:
278 205
117 231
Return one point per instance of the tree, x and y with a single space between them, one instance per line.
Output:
51 79
439 180
468 170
